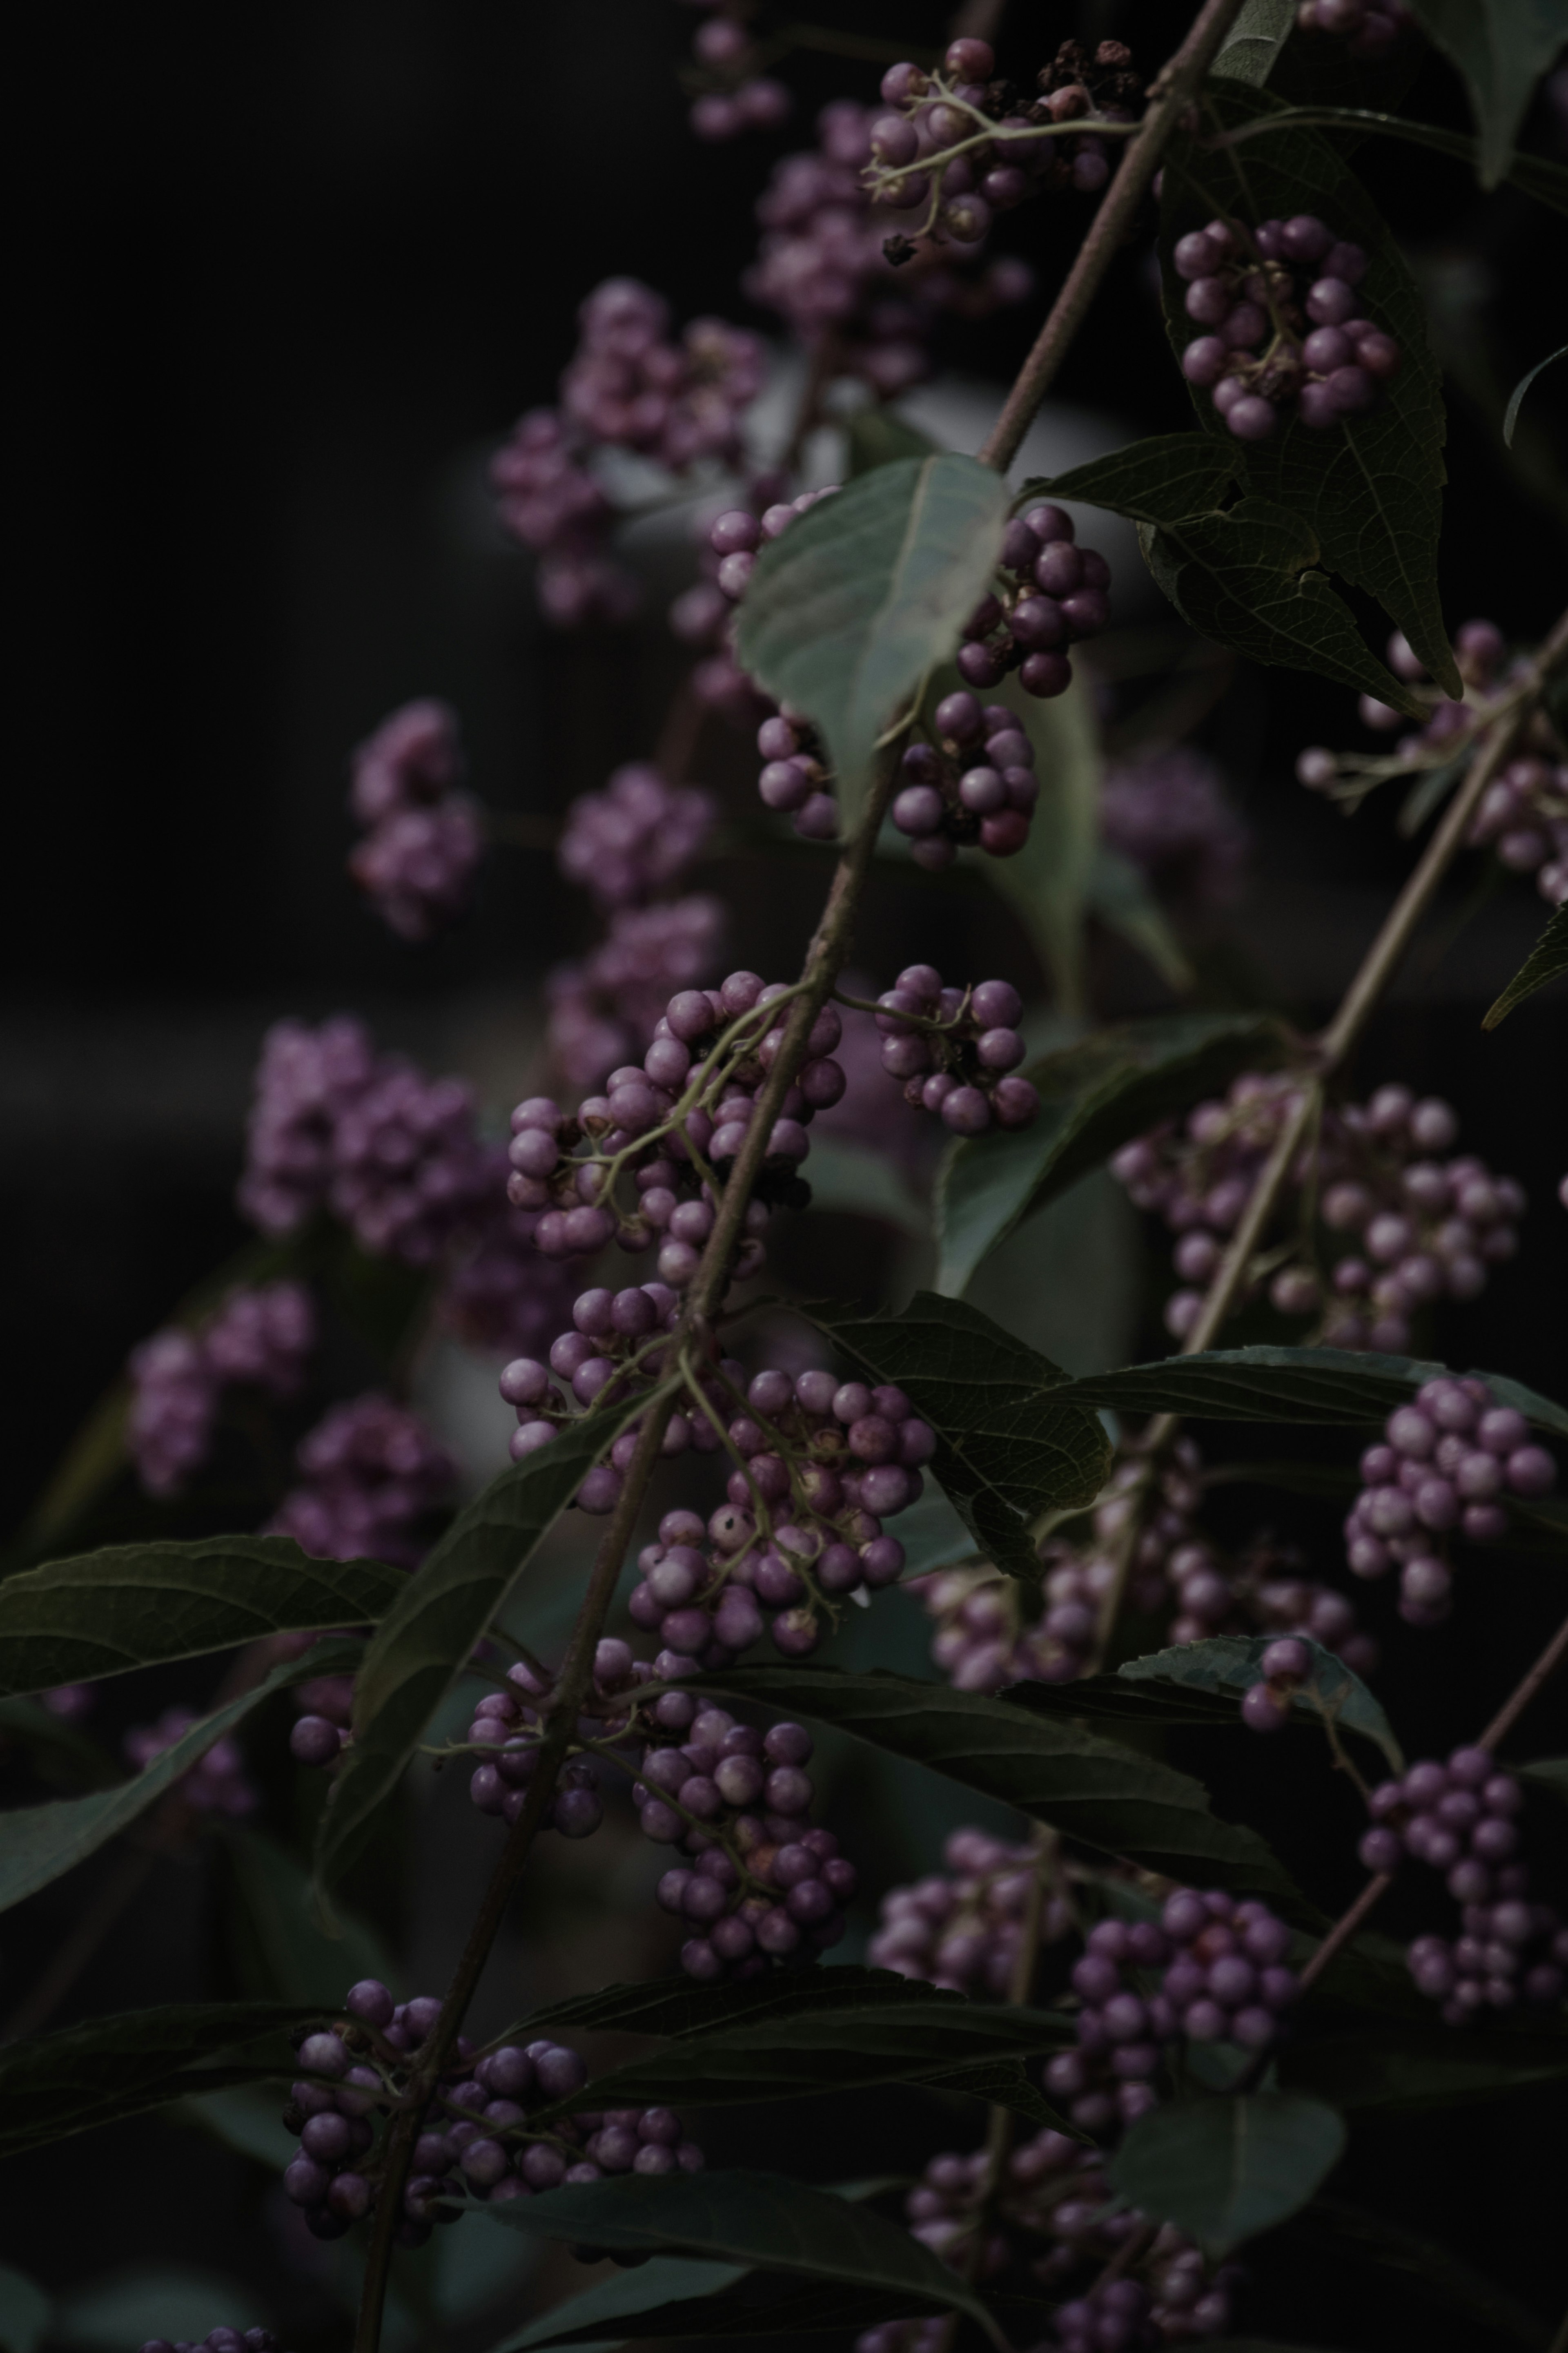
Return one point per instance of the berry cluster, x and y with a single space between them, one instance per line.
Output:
476 2137
1168 815
216 1783
677 1122
960 147
1446 1463
764 1883
1459 1818
501 1295
626 843
607 1006
1524 815
373 1474
1285 1666
1369 28
627 387
218 2340
956 1050
1279 306
1224 1980
735 97
509 1726
974 785
1428 1227
960 1928
424 838
1443 735
1053 594
257 1339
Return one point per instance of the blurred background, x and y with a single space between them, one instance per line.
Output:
287 283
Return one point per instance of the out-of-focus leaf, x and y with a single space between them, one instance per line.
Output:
247 2118
1292 1384
1516 398
1005 1452
1547 182
1225 2170
848 611
852 1177
1548 1773
1432 2269
102 1613
1407 2067
58 1748
879 437
1233 1662
1500 48
154 2300
651 2300
1095 1097
39 1844
1547 961
1096 1790
1121 899
26 2312
285 1948
1049 880
932 1534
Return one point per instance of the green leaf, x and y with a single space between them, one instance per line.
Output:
53 2085
677 2006
1245 579
102 1613
881 437
852 1177
847 612
1121 899
1500 48
1255 40
1095 1097
59 1750
144 2301
1047 882
247 2118
810 2051
41 1843
1232 1662
1108 1797
1225 2170
1161 481
1516 398
735 2215
26 2312
425 1640
1325 1386
1369 490
285 1951
629 2304
1005 1451
1547 961
1002 2084
1549 1773
1547 182
1430 2267
1407 2067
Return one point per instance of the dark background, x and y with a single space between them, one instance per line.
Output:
284 281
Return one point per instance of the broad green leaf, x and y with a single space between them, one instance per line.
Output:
1548 1773
1002 2084
1047 882
59 1751
879 437
26 2312
107 2314
282 1951
1409 2066
1432 2269
247 2117
847 612
630 2303
39 1844
1500 48
1122 899
102 1613
1108 1797
735 2215
473 2271
53 2085
1547 182
1300 1384
852 1177
1232 1662
1161 481
678 2007
809 2051
1260 31
1225 2170
424 1642
1006 1451
1369 490
1547 961
1247 579
1095 1097
1516 398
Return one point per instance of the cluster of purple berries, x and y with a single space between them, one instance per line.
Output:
611 1350
1053 595
736 95
1224 1980
216 1783
1428 1227
956 1050
764 1883
508 1723
606 1007
500 1296
961 147
476 2138
1479 651
627 387
960 1928
1459 1818
1279 307
372 1473
983 1644
1524 815
218 2340
424 838
1183 2303
628 843
1447 1463
1369 28
1169 815
976 786
258 1339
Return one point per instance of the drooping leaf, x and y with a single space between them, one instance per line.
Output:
1122 899
1500 48
735 2215
1233 1662
53 2085
281 1949
1005 1451
879 437
847 612
1547 961
41 1843
1047 882
1260 31
102 1613
1096 1790
851 1176
678 2007
1407 2067
1161 481
26 2312
1300 1385
1095 1097
1546 182
644 2302
1225 2170
1431 2268
1516 398
1369 489
422 1645
1548 1773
